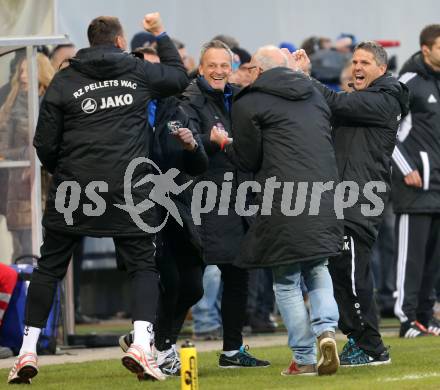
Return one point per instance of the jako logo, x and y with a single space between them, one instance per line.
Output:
89 105
116 101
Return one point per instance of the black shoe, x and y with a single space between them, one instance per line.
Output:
410 330
353 356
241 359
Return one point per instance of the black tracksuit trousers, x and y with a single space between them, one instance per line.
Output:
418 264
354 292
136 253
181 280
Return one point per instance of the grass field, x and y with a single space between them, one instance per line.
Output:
416 365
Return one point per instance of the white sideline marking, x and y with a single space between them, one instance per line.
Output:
410 377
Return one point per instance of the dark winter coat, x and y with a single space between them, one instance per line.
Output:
281 129
93 123
418 145
221 234
364 131
168 153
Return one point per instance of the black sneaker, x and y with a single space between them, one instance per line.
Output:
410 330
241 359
353 356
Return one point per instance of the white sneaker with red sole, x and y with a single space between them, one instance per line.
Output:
24 369
142 363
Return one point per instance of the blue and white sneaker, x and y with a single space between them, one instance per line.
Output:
353 356
241 359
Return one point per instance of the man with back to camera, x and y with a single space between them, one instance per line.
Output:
178 248
364 131
416 191
281 130
92 124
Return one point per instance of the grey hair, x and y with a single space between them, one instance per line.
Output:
379 53
267 62
215 44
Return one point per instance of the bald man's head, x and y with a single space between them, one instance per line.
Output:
269 57
265 58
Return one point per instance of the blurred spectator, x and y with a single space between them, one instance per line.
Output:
345 43
43 49
287 45
206 313
8 280
143 39
313 44
229 41
241 76
327 65
61 54
346 79
148 54
261 301
14 145
187 60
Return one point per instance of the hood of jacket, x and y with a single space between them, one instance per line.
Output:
103 62
416 64
389 84
282 82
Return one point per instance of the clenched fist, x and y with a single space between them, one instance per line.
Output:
153 23
185 136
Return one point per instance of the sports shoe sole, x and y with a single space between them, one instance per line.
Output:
329 362
300 374
24 375
366 364
133 365
232 367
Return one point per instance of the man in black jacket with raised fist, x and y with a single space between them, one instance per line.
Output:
365 124
92 128
416 191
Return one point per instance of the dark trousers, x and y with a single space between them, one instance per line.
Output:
181 280
261 297
418 264
136 253
233 307
353 288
